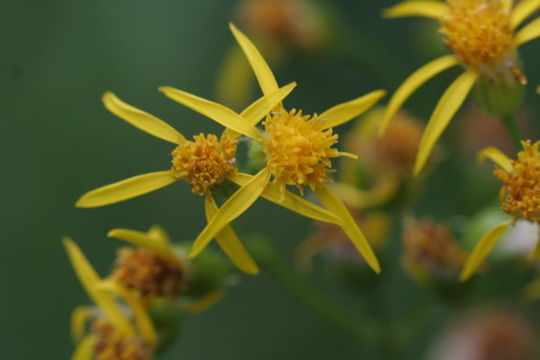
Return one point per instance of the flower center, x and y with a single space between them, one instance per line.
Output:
480 34
520 195
205 161
298 149
113 345
148 273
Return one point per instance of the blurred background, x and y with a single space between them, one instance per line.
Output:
58 141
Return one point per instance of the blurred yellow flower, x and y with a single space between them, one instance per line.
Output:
112 331
519 196
298 149
484 37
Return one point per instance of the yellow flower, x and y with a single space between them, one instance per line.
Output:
520 197
204 162
112 329
298 150
484 37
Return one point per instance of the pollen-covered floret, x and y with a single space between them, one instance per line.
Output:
112 345
298 149
520 195
479 32
148 273
205 161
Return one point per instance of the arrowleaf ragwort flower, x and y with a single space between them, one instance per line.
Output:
519 196
484 36
298 151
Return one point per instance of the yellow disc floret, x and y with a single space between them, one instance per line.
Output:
205 161
148 273
112 345
480 34
520 195
298 149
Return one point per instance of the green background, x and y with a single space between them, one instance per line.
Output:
58 141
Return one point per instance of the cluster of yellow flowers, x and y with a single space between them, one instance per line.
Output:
298 150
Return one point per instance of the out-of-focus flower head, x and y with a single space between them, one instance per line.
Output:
484 36
431 252
519 196
119 330
295 23
501 333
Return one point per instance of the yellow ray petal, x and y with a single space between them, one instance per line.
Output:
529 32
143 240
158 234
347 111
264 105
430 9
141 119
349 226
446 108
288 200
217 112
382 191
79 317
262 71
482 249
413 82
90 281
144 324
229 241
239 202
203 303
256 111
126 189
495 155
85 349
523 10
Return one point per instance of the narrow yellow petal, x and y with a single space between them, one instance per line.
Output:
446 108
347 111
229 241
482 249
85 349
142 319
217 112
79 317
523 10
90 281
413 82
425 8
143 240
497 156
158 234
288 200
529 32
256 111
141 119
204 303
349 226
265 77
507 4
126 189
237 204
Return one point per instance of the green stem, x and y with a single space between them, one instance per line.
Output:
325 307
512 128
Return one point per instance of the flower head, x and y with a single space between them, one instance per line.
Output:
112 345
205 161
299 149
480 33
431 251
484 36
520 194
